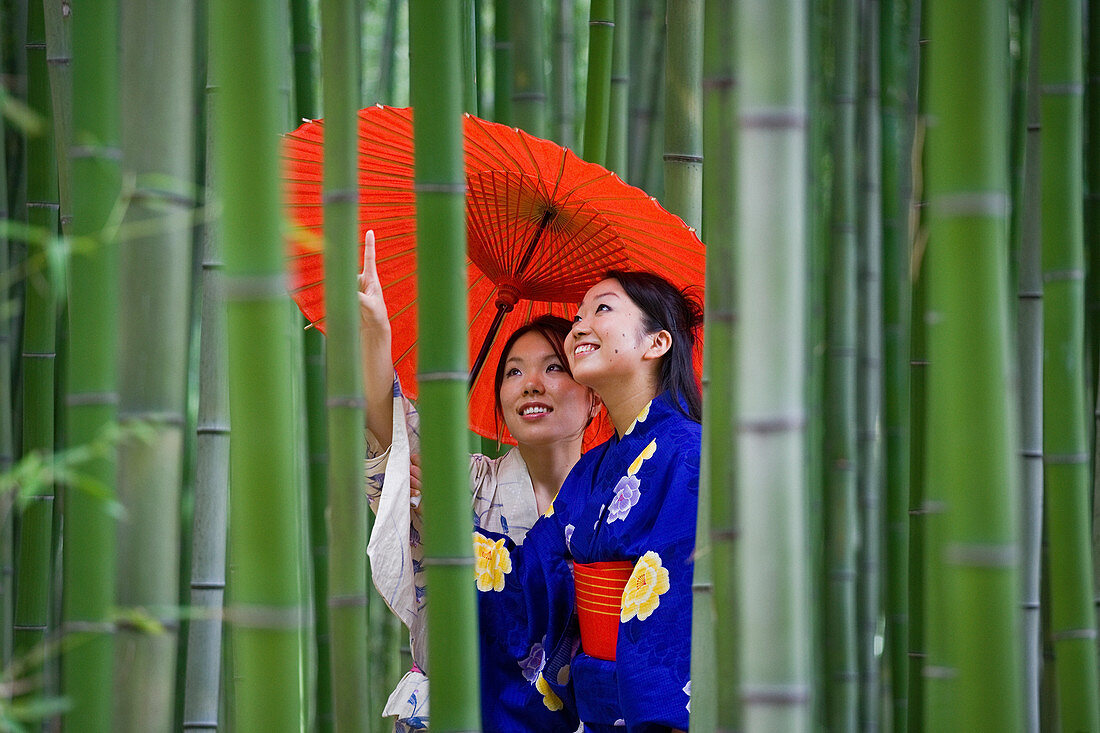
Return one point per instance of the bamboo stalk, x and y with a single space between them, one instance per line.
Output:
683 139
1092 232
58 33
895 24
972 671
439 175
39 361
842 529
562 74
202 698
647 67
1065 450
775 629
619 104
528 66
502 62
1029 316
869 372
154 297
89 560
597 100
347 512
302 13
266 613
714 614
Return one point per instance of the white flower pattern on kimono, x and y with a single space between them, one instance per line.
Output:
569 536
626 496
687 691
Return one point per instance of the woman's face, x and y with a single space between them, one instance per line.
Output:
540 401
608 337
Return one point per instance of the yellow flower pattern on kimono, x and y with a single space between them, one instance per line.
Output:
641 418
492 562
549 699
646 453
643 590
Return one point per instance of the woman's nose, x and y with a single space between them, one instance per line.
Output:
532 386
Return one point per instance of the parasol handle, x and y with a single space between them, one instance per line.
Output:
503 308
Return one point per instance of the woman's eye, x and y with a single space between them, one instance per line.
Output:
555 368
511 372
576 318
603 307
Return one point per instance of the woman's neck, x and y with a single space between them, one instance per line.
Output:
548 466
624 400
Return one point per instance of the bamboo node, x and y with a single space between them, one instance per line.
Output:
983 555
934 672
1073 635
775 695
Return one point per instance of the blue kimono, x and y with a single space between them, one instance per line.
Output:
632 499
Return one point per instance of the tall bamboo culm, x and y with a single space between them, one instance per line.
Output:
157 39
714 619
647 78
869 372
1065 449
59 62
1029 324
1092 235
502 62
41 290
841 515
597 101
562 87
619 105
347 512
683 138
972 669
895 24
440 203
770 264
527 31
265 611
7 434
89 559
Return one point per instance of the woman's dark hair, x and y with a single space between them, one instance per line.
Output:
679 312
552 328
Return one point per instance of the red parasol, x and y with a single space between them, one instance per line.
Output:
542 225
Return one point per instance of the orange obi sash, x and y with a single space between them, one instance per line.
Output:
599 589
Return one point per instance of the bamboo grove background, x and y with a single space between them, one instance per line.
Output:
899 527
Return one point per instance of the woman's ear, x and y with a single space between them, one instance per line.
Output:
659 344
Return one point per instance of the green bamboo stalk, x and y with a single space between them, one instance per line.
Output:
820 161
7 432
652 146
1092 232
89 559
266 612
347 513
58 33
597 99
469 57
896 129
154 297
775 658
1029 320
529 111
619 104
683 143
562 75
387 62
972 670
39 359
1065 449
302 13
502 62
643 66
842 529
439 173
714 616
869 373
918 394
305 98
202 698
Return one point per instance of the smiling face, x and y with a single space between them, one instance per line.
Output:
540 401
608 339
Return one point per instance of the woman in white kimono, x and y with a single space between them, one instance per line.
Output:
545 411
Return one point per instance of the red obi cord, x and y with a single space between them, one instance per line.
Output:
599 587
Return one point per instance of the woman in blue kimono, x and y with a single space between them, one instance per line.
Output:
595 607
